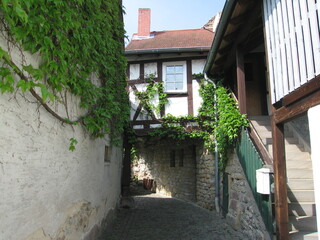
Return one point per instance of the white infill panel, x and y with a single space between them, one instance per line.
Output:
314 28
307 41
292 31
288 48
134 71
300 41
269 47
294 46
284 66
278 74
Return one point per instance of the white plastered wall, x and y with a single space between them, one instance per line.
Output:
176 106
197 67
40 179
314 127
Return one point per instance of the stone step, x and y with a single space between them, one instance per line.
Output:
296 235
299 164
302 209
301 196
300 184
262 128
297 156
303 224
261 119
291 149
296 173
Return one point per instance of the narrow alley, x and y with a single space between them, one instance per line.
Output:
157 217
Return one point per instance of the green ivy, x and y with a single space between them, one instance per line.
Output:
149 94
77 39
220 118
229 123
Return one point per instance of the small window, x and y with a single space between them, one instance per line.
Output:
175 77
172 158
107 154
181 157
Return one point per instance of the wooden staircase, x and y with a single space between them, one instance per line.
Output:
301 203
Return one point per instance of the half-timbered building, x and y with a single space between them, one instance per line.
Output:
171 58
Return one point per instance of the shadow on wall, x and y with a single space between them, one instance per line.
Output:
170 164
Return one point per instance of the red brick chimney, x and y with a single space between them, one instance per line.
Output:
144 22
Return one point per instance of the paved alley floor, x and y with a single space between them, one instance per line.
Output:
155 217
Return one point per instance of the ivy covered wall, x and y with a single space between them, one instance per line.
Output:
62 88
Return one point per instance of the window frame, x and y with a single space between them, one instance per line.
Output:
184 76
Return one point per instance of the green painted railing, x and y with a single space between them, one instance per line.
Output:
251 161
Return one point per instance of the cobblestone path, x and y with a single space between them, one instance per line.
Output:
156 217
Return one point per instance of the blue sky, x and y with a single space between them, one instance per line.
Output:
171 14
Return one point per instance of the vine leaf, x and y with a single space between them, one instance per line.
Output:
21 13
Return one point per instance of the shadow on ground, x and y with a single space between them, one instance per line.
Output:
156 217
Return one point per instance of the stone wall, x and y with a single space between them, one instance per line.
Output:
243 213
205 179
47 191
172 165
192 179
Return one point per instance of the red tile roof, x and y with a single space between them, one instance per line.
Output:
189 38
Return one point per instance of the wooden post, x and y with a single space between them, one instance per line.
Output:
126 169
280 179
241 81
189 88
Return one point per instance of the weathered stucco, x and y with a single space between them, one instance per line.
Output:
41 180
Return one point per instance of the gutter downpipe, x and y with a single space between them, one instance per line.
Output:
222 26
216 154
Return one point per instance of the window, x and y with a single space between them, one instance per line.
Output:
172 158
181 157
107 154
175 79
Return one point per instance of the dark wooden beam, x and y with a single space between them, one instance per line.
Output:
143 122
175 95
220 60
141 71
169 59
308 88
141 81
238 19
285 113
159 71
136 114
244 2
230 37
244 32
225 49
241 81
189 88
280 178
160 78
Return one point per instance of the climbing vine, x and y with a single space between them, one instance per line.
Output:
79 41
219 118
146 97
